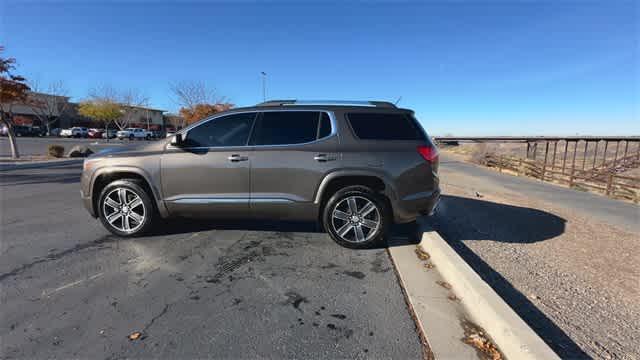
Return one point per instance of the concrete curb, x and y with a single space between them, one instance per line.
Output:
437 318
514 338
40 164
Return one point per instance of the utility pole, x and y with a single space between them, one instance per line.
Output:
264 85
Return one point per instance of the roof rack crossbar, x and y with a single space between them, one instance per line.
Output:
327 102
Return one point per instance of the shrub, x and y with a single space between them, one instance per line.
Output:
56 151
79 151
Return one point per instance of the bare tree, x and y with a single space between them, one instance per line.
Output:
188 94
196 100
50 104
131 102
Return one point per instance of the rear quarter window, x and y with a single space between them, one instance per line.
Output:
380 126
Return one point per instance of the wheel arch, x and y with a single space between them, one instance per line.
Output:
102 177
336 180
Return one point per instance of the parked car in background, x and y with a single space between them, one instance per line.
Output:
133 133
38 130
20 130
356 168
95 133
109 134
170 133
76 131
23 130
55 132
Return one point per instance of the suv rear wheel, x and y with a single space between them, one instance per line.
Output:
356 217
125 208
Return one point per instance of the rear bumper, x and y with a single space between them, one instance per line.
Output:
413 206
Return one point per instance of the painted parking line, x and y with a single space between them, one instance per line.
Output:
71 284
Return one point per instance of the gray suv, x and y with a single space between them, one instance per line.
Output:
356 167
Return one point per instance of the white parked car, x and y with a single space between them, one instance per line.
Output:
76 131
133 133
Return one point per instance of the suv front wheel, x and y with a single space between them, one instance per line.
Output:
356 217
125 208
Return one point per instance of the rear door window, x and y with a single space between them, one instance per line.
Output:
381 126
288 127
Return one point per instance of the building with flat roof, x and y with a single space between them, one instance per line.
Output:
61 113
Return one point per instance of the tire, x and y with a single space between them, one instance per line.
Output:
144 208
130 137
373 224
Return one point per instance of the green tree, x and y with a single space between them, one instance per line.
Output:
101 109
13 89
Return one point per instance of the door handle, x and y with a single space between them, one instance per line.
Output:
323 158
236 158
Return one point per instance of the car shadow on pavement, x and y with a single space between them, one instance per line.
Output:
400 234
188 225
476 219
460 218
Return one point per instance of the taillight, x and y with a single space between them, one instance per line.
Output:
429 153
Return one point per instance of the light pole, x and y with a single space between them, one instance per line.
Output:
264 85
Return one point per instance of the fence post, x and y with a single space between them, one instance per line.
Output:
573 163
564 158
520 168
571 178
546 154
609 184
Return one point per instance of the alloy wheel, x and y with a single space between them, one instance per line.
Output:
124 210
355 219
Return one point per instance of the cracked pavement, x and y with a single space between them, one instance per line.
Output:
193 289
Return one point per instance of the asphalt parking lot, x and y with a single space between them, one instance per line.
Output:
192 289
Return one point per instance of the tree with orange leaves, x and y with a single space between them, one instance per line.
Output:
196 101
13 89
201 111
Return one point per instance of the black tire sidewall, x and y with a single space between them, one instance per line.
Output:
134 186
365 192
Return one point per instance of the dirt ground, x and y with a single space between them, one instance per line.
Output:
574 279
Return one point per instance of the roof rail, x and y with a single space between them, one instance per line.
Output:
385 104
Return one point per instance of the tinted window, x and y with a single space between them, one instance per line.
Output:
230 130
286 127
325 126
376 126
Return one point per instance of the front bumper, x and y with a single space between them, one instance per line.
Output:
88 204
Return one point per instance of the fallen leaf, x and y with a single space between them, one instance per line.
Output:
135 335
422 255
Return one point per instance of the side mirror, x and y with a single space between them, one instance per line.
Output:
177 141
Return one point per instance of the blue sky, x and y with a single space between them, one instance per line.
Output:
466 68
